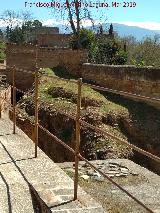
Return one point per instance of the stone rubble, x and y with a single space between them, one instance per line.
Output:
109 168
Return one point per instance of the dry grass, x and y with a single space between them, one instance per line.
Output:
88 93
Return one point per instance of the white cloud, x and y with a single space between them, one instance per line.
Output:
86 23
53 22
145 25
50 22
15 22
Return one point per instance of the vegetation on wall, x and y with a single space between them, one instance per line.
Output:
2 50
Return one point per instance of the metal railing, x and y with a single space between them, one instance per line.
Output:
79 123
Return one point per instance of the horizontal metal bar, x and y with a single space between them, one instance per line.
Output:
116 184
57 139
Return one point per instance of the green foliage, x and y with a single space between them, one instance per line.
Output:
2 55
2 49
140 63
120 57
108 51
85 40
19 34
143 53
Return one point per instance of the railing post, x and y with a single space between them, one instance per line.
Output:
77 138
36 112
14 100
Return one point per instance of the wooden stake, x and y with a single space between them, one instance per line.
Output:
77 138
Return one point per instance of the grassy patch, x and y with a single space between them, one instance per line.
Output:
89 96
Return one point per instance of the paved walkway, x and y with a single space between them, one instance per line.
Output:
29 184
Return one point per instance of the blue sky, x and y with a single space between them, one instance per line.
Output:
145 14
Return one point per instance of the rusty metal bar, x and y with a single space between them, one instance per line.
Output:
14 100
36 102
36 112
118 92
77 137
57 139
123 93
148 154
96 169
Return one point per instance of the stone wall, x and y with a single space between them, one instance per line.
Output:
53 40
53 57
24 56
144 81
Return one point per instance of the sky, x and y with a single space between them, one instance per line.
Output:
142 13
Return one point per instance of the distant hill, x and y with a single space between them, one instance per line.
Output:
137 32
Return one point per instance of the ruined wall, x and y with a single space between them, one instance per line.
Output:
52 57
24 56
45 141
144 81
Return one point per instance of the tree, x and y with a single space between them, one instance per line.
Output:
1 34
20 33
10 17
75 13
13 19
86 39
142 53
17 35
101 29
109 51
111 34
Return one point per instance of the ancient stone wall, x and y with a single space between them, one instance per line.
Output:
24 56
144 81
52 57
53 40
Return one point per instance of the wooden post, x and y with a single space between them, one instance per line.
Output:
14 100
77 138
